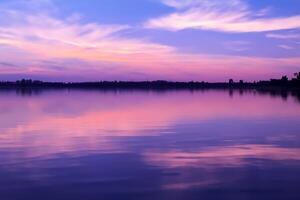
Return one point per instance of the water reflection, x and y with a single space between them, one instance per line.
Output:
146 144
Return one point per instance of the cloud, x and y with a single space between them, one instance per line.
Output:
232 16
42 29
7 64
287 47
237 45
283 36
45 37
263 12
205 4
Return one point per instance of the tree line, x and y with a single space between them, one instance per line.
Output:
284 82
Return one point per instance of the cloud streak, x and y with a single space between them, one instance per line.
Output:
286 47
232 16
283 36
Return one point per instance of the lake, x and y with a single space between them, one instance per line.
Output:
210 144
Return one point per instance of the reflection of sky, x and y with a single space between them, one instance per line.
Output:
147 140
149 39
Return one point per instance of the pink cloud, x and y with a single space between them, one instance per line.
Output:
233 16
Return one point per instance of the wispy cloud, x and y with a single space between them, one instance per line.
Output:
283 36
45 37
232 16
286 47
263 12
237 45
206 4
7 64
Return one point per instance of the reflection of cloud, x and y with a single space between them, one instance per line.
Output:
58 122
187 185
231 156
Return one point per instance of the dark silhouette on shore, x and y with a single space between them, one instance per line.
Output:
283 83
275 87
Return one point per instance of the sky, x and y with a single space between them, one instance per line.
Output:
177 40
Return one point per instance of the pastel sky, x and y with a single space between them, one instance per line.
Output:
89 40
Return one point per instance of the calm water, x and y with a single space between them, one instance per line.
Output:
93 145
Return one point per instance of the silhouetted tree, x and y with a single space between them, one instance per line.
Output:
25 82
297 75
284 79
158 85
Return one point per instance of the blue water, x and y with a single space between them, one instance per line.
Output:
72 144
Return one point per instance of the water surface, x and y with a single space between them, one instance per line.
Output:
72 144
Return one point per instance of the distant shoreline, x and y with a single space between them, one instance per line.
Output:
276 88
282 84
